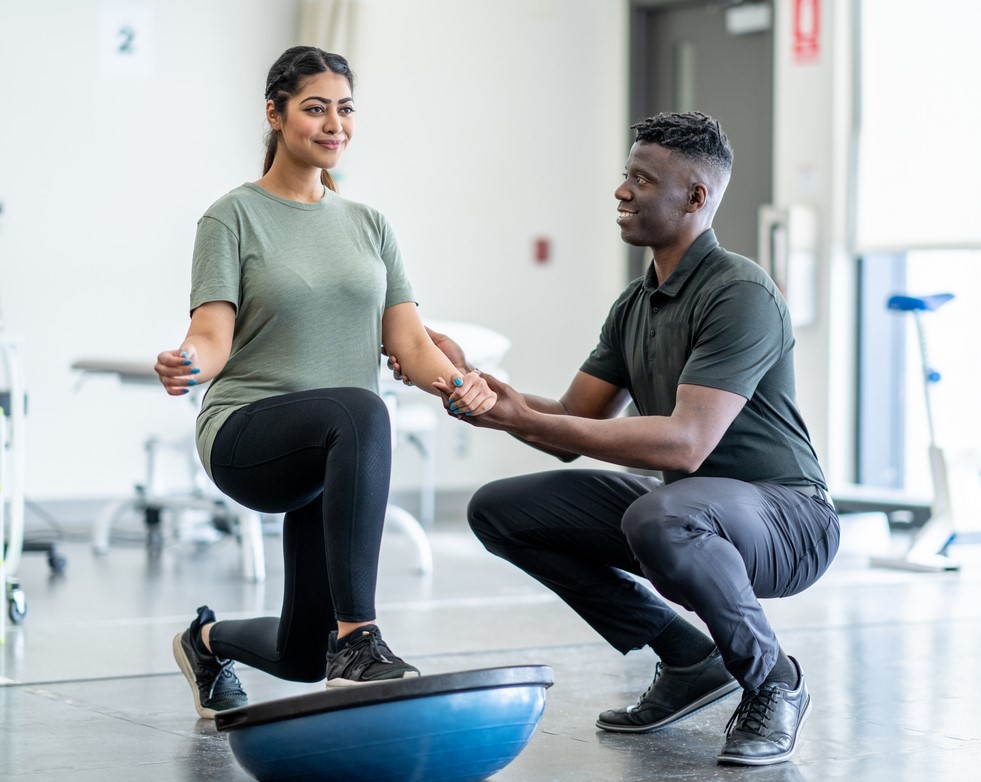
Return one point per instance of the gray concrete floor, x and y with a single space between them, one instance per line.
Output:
89 689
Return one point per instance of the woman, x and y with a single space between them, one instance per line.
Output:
294 289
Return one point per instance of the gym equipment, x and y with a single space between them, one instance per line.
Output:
452 727
13 401
928 550
202 496
198 502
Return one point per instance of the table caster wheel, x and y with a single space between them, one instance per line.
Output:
16 603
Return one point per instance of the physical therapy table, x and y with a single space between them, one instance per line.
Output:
153 502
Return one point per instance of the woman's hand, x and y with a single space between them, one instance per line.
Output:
467 395
204 351
176 369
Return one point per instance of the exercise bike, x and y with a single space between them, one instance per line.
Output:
927 552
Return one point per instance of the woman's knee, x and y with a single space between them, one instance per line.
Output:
309 671
364 405
358 413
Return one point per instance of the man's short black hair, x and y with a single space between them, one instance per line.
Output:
692 134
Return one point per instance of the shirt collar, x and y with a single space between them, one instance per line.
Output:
701 247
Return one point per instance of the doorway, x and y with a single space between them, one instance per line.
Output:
685 56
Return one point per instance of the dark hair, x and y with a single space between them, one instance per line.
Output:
695 135
284 79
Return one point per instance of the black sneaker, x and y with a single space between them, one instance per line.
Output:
365 659
674 694
766 726
213 681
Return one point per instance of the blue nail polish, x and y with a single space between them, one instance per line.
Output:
457 382
184 355
192 382
195 371
453 408
187 363
469 413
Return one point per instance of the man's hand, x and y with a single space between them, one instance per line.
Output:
470 397
449 348
506 414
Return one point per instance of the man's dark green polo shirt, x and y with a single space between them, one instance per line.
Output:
717 321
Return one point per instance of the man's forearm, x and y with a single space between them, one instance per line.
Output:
649 442
551 407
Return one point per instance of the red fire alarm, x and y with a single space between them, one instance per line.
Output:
543 250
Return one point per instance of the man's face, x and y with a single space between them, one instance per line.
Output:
655 195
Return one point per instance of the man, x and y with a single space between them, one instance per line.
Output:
703 346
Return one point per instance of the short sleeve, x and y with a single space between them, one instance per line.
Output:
605 362
398 288
741 333
215 267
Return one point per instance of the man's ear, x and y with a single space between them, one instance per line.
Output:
697 196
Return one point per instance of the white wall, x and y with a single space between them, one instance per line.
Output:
812 136
480 127
102 181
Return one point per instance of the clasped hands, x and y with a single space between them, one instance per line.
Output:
494 412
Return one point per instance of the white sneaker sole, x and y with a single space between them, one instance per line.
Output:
338 683
185 665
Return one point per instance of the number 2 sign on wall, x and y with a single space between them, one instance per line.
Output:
126 41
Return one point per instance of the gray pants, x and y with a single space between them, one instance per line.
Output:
711 545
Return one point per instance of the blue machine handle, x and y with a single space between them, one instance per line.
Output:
918 303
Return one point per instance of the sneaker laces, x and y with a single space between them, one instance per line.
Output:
375 646
226 668
754 711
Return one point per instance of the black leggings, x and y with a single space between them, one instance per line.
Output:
323 458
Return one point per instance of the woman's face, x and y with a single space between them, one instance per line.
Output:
318 121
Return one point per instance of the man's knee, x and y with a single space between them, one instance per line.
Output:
646 518
484 511
656 533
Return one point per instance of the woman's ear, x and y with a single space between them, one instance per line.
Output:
272 116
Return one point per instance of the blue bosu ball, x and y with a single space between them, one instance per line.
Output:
452 727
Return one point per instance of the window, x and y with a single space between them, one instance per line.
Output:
919 157
918 231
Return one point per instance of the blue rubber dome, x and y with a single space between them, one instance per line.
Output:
455 727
